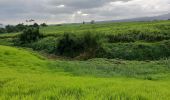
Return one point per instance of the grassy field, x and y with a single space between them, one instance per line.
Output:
26 75
131 62
107 28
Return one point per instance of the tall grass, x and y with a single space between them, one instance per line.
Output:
28 76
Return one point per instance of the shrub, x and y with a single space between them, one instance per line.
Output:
20 27
138 35
10 28
47 44
35 25
2 30
135 51
120 38
44 25
72 45
69 46
29 35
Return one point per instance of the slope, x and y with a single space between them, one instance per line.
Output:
28 76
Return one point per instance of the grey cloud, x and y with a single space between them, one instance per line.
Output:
82 4
14 11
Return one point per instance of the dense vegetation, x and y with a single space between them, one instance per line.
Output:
131 41
102 61
19 27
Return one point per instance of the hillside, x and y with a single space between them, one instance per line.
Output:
129 41
102 61
27 75
152 18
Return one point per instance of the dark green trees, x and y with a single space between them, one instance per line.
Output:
29 35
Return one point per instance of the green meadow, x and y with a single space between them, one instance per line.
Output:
26 75
130 62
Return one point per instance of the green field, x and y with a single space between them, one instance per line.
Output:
132 63
26 75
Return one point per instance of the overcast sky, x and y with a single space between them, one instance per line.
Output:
68 11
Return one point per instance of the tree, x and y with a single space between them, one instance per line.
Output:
10 28
35 25
2 30
20 27
92 22
44 25
30 35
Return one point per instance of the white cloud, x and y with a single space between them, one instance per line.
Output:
79 12
85 14
56 11
60 6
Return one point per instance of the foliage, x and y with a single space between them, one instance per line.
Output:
29 35
48 45
10 29
130 40
20 27
136 51
92 22
44 25
72 45
138 35
35 25
2 30
17 28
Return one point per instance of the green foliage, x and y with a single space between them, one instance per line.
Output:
35 25
10 29
136 51
17 28
92 22
20 27
44 25
72 45
138 35
48 45
2 30
69 46
139 40
29 35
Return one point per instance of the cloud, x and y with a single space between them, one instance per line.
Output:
60 6
59 11
82 4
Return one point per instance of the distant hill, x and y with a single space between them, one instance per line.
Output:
160 17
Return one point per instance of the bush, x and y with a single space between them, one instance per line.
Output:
2 30
47 44
135 51
29 35
10 29
20 27
44 25
72 45
69 46
138 35
120 38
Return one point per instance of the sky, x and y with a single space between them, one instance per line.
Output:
74 11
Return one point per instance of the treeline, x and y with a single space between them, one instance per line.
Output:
132 44
68 45
90 45
19 27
